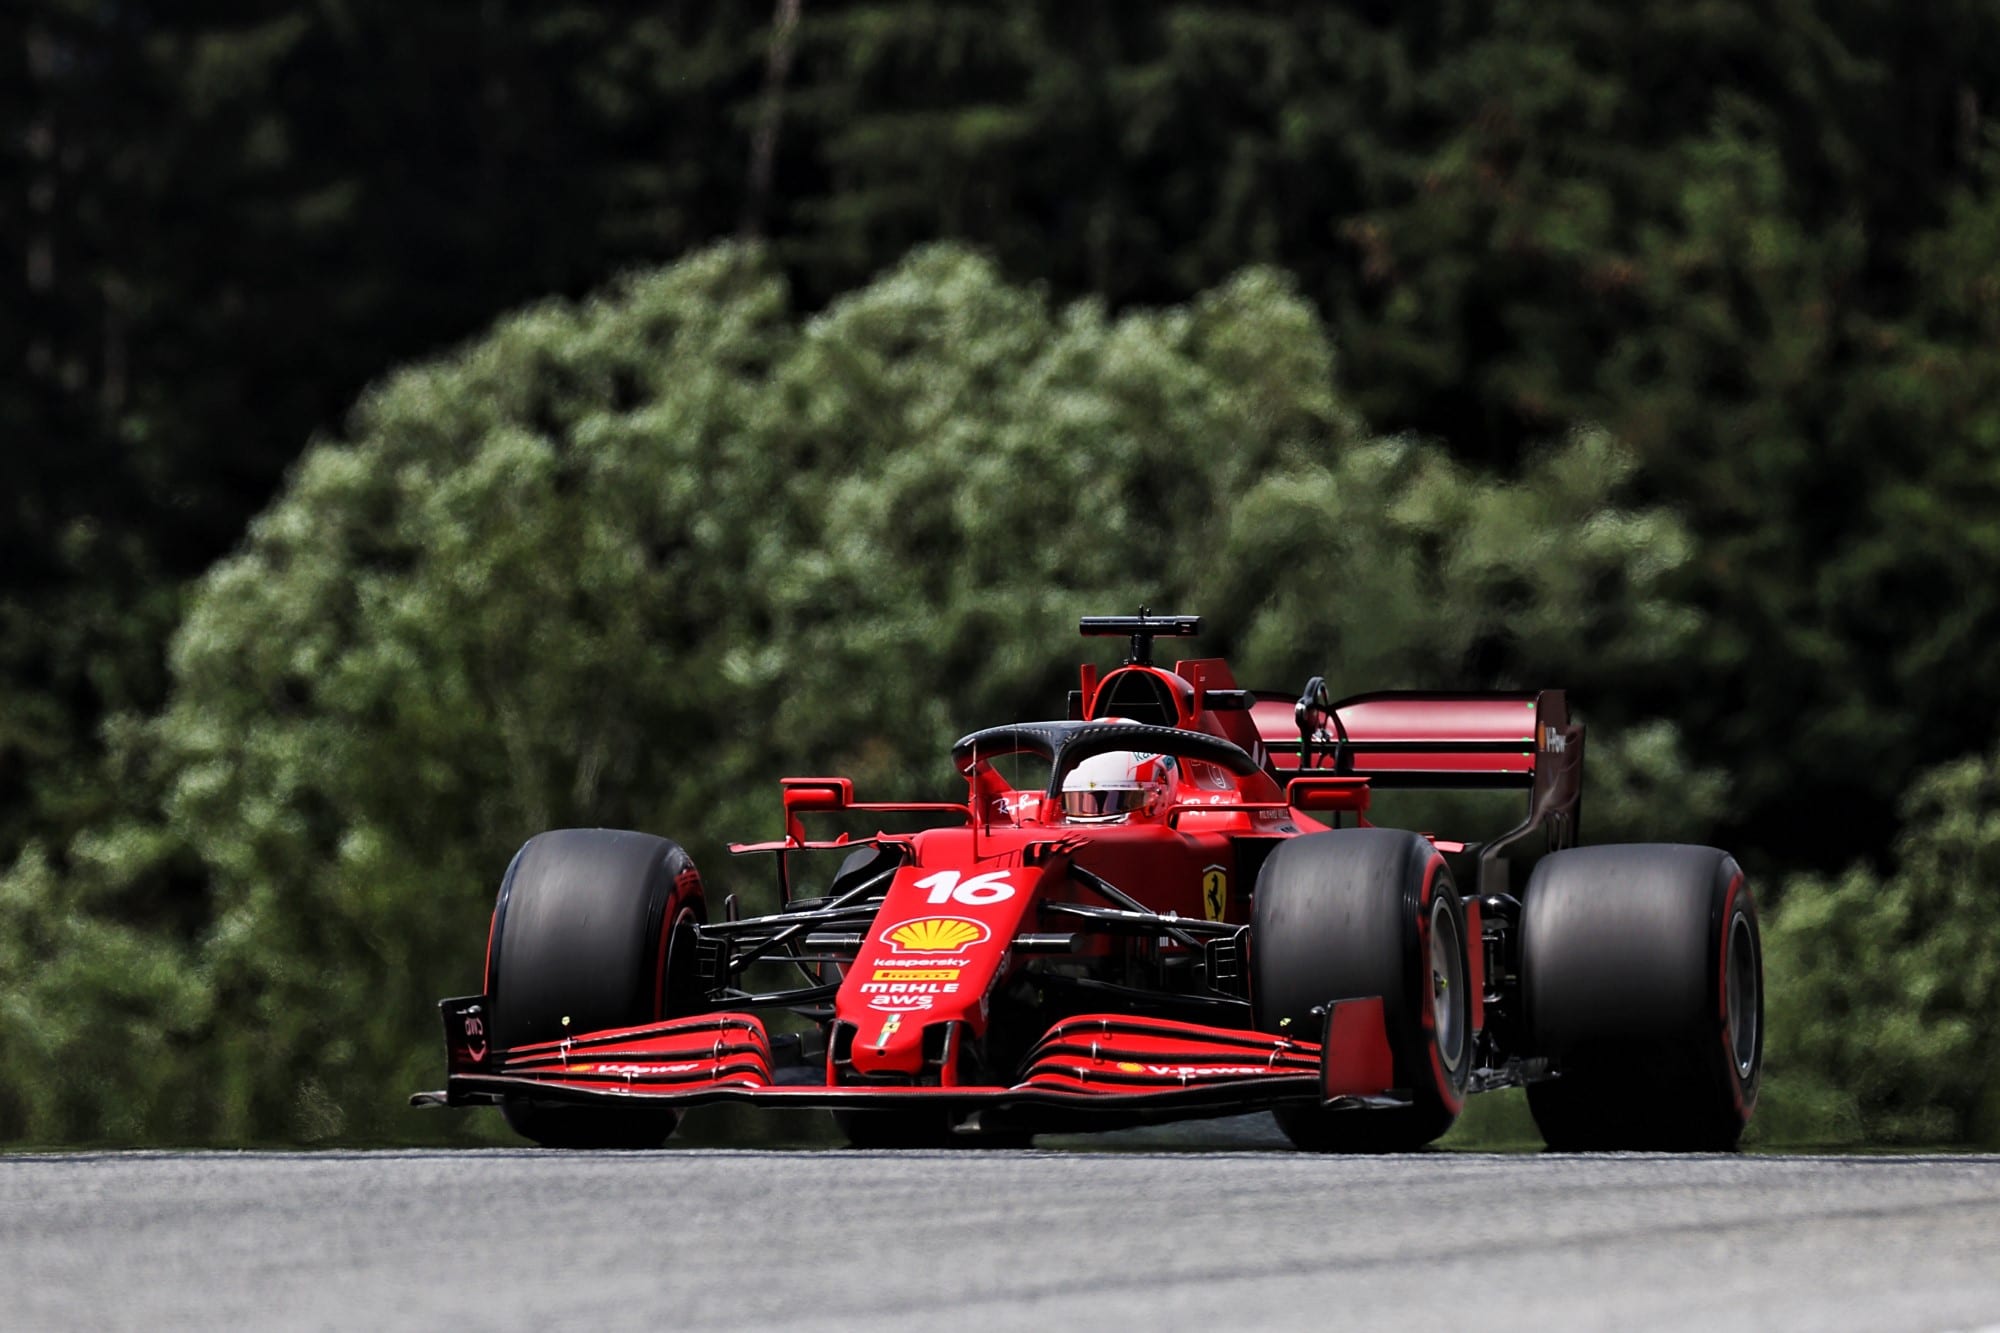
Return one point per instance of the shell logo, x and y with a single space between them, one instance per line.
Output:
936 934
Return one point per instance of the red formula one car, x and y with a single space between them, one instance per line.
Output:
1189 915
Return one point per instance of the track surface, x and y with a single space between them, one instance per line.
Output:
974 1240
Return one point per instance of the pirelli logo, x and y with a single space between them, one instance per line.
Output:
915 974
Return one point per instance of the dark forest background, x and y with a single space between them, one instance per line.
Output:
424 425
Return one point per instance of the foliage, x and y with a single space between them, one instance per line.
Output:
1735 239
222 221
1880 985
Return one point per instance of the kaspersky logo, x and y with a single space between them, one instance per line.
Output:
936 934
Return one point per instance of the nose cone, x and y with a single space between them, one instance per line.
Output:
924 970
934 952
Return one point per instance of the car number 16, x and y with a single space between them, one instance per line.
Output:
979 891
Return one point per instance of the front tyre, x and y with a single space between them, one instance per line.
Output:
593 929
1360 912
1642 976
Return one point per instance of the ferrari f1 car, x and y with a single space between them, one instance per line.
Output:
1186 912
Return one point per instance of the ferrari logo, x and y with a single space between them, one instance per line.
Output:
889 1027
1214 892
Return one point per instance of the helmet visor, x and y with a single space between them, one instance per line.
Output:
1103 802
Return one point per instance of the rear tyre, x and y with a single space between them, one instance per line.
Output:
594 929
1642 980
1361 912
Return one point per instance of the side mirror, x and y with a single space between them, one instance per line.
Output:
1328 793
803 796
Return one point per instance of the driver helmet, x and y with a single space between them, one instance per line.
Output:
1111 787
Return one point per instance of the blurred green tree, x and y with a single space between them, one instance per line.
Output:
1737 239
1880 986
223 220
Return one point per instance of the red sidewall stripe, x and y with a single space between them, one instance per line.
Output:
678 910
1453 1100
1743 1098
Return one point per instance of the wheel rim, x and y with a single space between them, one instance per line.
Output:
679 989
1447 983
1743 996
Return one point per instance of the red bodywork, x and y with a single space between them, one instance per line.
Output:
1009 895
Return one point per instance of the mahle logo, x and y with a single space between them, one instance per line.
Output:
935 934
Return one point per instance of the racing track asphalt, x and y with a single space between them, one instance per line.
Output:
1043 1240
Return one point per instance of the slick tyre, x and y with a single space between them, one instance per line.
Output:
1642 983
593 929
1360 912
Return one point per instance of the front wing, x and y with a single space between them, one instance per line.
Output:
1110 1062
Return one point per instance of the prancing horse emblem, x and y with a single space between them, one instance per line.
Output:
1214 892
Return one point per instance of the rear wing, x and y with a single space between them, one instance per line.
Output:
1421 738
